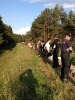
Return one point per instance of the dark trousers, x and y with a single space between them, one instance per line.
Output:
48 54
65 58
55 59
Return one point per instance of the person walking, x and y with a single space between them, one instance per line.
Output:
38 47
56 48
47 48
66 49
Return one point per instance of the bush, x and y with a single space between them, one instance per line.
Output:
72 59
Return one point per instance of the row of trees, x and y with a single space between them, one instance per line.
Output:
52 21
7 37
5 32
49 22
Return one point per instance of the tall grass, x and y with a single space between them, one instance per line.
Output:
25 76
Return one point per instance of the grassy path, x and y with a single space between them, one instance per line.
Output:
25 76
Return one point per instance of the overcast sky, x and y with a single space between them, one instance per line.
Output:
20 14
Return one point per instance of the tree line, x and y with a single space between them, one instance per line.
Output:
8 39
50 22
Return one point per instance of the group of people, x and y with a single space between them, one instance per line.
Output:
65 47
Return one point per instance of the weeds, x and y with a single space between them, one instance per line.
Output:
25 76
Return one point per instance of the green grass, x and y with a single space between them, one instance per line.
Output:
25 76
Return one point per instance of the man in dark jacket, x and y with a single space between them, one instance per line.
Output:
56 47
66 49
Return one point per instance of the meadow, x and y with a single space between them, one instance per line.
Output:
26 76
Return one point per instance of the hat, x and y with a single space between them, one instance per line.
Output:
69 34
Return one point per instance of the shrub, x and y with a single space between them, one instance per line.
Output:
72 59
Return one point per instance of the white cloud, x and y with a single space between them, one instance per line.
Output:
65 5
22 31
53 1
34 0
68 5
51 5
73 9
37 0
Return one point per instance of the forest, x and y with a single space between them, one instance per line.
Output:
48 23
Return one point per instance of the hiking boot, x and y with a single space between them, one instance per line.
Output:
64 80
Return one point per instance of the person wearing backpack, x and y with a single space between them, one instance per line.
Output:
56 48
66 49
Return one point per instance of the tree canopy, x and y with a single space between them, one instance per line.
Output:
48 23
52 21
